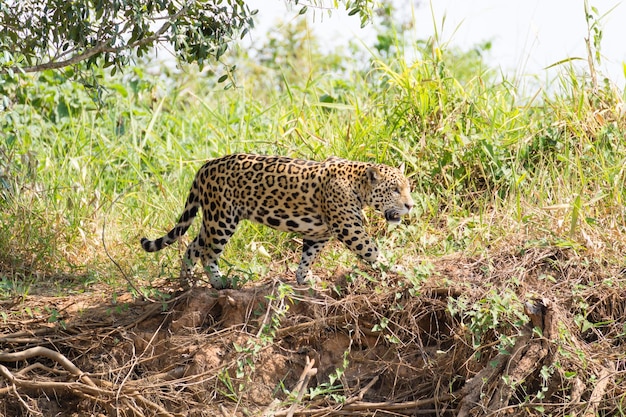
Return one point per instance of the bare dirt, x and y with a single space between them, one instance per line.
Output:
385 348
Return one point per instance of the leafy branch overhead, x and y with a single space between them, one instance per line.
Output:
50 34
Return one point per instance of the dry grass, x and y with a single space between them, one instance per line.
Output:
518 330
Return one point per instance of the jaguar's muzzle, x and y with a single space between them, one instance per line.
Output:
392 216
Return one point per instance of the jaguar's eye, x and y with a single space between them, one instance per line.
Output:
396 190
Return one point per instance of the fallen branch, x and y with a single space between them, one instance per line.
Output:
598 392
307 373
24 337
363 391
324 321
372 406
398 406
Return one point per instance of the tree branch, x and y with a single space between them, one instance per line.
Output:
104 47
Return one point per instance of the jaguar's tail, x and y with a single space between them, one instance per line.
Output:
189 213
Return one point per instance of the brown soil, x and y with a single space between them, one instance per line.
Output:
385 348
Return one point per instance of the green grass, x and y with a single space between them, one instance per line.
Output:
487 160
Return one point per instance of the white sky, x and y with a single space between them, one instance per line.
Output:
527 36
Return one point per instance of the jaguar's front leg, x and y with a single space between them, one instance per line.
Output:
354 236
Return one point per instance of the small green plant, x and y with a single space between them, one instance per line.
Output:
333 387
382 325
247 352
278 306
417 275
55 316
13 286
500 311
230 392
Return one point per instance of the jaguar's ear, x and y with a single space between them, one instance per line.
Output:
373 175
402 168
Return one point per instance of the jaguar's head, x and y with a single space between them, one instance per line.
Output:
390 192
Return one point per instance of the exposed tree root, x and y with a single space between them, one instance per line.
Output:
84 386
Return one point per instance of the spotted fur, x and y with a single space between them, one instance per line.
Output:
319 200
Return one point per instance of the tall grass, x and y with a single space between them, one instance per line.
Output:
486 161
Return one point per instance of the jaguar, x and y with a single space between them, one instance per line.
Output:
318 200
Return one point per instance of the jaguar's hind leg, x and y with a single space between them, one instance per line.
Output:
192 254
212 240
311 249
